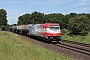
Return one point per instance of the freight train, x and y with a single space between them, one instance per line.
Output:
46 31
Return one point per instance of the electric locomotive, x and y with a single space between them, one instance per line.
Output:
49 31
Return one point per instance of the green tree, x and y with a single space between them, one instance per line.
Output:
24 19
38 17
79 24
88 15
3 20
54 17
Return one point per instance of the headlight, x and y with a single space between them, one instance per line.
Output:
51 37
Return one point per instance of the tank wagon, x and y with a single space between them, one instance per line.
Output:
47 31
13 28
19 28
25 29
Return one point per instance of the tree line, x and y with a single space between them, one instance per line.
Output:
78 24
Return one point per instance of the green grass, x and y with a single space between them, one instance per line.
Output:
13 47
77 38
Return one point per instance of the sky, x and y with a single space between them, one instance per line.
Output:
16 8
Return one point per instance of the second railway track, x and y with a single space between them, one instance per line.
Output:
75 46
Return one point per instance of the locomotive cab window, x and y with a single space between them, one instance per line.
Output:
54 28
57 28
51 28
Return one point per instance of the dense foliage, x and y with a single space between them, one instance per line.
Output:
3 20
79 24
35 17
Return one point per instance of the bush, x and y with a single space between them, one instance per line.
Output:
4 28
79 24
65 32
84 33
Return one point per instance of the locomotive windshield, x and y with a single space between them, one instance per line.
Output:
54 28
57 28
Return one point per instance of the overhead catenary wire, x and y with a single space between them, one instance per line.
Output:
76 8
62 5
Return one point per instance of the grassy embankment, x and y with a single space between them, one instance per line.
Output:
76 38
14 48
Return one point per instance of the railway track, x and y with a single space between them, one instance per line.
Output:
75 46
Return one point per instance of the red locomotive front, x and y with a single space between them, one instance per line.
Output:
52 31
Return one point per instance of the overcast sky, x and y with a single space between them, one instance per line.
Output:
16 8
